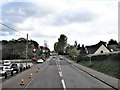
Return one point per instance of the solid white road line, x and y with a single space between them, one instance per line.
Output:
35 77
63 83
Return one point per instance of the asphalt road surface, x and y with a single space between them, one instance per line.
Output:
54 73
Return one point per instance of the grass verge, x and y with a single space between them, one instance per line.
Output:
110 68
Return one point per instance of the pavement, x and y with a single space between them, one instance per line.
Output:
111 81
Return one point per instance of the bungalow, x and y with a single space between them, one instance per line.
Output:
99 48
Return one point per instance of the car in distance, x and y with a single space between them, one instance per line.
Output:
6 62
40 61
61 58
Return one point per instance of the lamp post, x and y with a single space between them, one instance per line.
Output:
26 50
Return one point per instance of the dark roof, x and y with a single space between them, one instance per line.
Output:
93 48
112 47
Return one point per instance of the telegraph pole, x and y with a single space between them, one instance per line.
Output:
27 49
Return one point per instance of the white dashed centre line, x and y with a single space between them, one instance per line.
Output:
60 73
63 83
60 68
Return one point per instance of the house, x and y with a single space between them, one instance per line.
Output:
99 48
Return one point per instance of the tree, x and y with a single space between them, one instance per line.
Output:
35 44
75 44
78 47
83 50
56 46
14 49
67 49
119 45
112 42
61 44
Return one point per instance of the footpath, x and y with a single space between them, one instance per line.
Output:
111 81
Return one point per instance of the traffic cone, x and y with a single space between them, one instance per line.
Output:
22 82
30 75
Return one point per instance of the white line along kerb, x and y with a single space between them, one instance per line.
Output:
63 83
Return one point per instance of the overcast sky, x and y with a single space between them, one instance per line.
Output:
86 21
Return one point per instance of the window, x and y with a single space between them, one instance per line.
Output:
101 51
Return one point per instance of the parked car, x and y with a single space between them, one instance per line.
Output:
21 67
2 72
40 61
15 67
6 62
5 71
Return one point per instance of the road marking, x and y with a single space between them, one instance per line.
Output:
63 83
35 76
60 68
60 73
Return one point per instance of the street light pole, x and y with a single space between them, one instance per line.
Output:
26 50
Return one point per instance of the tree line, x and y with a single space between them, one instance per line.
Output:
16 49
73 51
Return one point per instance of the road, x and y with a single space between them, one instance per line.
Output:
54 73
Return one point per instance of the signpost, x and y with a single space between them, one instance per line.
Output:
90 56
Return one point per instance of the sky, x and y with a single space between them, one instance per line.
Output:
84 21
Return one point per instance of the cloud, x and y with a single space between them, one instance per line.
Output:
84 21
19 11
39 35
68 17
18 16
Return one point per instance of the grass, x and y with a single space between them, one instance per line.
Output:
108 67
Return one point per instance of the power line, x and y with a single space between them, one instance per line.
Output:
14 29
11 28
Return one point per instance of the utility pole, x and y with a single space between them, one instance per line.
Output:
27 49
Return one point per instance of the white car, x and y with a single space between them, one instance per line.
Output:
2 72
40 61
6 62
5 71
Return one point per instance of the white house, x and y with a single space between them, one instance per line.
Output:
99 48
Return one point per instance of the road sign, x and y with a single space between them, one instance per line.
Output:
34 50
